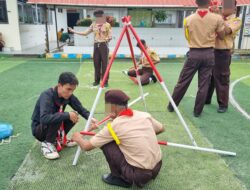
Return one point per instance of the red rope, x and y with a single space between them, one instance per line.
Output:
61 133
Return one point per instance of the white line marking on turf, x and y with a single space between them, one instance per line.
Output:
22 166
89 87
116 71
32 97
58 62
232 99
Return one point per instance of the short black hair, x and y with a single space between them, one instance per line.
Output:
143 43
68 78
202 2
98 13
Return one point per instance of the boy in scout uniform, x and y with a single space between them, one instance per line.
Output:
133 154
102 35
221 72
201 29
145 71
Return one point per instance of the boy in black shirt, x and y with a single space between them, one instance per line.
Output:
50 124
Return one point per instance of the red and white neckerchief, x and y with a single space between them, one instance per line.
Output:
61 134
127 112
202 13
214 3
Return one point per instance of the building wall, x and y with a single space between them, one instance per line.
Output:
245 44
157 37
62 20
170 37
10 31
25 36
117 13
34 34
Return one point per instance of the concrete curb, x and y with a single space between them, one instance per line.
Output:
89 56
122 56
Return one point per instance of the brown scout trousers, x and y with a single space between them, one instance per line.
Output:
101 56
119 167
201 60
48 133
220 78
145 73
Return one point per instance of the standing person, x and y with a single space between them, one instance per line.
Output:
59 34
102 36
201 29
223 53
49 115
137 157
2 43
145 72
63 36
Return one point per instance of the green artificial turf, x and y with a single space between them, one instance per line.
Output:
242 90
229 131
182 169
21 82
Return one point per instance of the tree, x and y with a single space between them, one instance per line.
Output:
159 15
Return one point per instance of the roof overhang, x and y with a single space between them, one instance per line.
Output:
118 3
126 3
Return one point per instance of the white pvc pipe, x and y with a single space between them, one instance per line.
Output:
137 99
178 113
201 149
186 146
141 92
78 152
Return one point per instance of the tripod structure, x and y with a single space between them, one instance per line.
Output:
127 26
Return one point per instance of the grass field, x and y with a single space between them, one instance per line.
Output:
23 167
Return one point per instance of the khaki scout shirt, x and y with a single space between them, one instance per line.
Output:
201 31
153 56
102 32
137 135
235 24
59 35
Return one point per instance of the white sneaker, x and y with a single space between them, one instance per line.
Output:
125 72
152 79
49 151
70 143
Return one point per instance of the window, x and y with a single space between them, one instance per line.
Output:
189 12
30 14
109 14
40 16
141 17
3 12
21 13
60 10
50 16
170 18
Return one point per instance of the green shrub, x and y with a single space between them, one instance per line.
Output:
117 24
84 22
